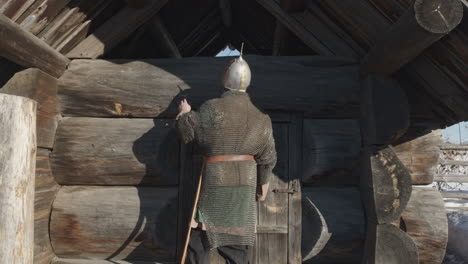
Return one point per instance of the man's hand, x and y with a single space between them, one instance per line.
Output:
184 107
262 192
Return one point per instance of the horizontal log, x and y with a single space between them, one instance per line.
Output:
330 151
423 23
151 88
425 221
451 178
333 225
94 261
115 223
453 147
27 50
455 194
43 252
454 162
420 156
41 87
97 151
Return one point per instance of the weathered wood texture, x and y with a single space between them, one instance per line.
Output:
333 225
98 151
40 14
365 21
297 28
45 191
95 261
330 151
45 186
394 246
116 29
27 50
43 252
455 194
422 24
13 9
159 32
420 156
387 190
295 198
149 88
41 87
17 165
115 223
383 122
425 221
272 243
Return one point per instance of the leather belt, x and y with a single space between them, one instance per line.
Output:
228 158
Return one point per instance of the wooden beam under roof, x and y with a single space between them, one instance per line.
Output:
159 32
27 50
423 23
294 26
116 29
226 12
282 36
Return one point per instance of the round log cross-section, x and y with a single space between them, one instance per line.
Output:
17 170
438 16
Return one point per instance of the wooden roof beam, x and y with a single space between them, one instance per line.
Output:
25 49
116 29
420 26
226 12
159 32
295 27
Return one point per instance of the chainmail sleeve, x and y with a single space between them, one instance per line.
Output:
266 158
186 126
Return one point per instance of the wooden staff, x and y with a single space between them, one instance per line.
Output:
195 203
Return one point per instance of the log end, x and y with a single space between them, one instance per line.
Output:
438 16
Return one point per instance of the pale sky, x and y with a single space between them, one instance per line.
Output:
227 52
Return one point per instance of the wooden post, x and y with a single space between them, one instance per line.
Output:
27 50
422 24
385 185
17 173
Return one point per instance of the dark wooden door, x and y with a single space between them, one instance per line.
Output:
279 216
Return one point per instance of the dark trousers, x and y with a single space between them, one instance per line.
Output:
199 252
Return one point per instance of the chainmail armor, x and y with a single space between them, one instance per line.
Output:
230 125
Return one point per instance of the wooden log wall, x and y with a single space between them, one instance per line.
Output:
27 50
41 87
96 151
333 225
149 88
421 156
127 217
425 220
92 155
17 163
385 185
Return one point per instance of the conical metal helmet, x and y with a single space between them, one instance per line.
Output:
237 75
